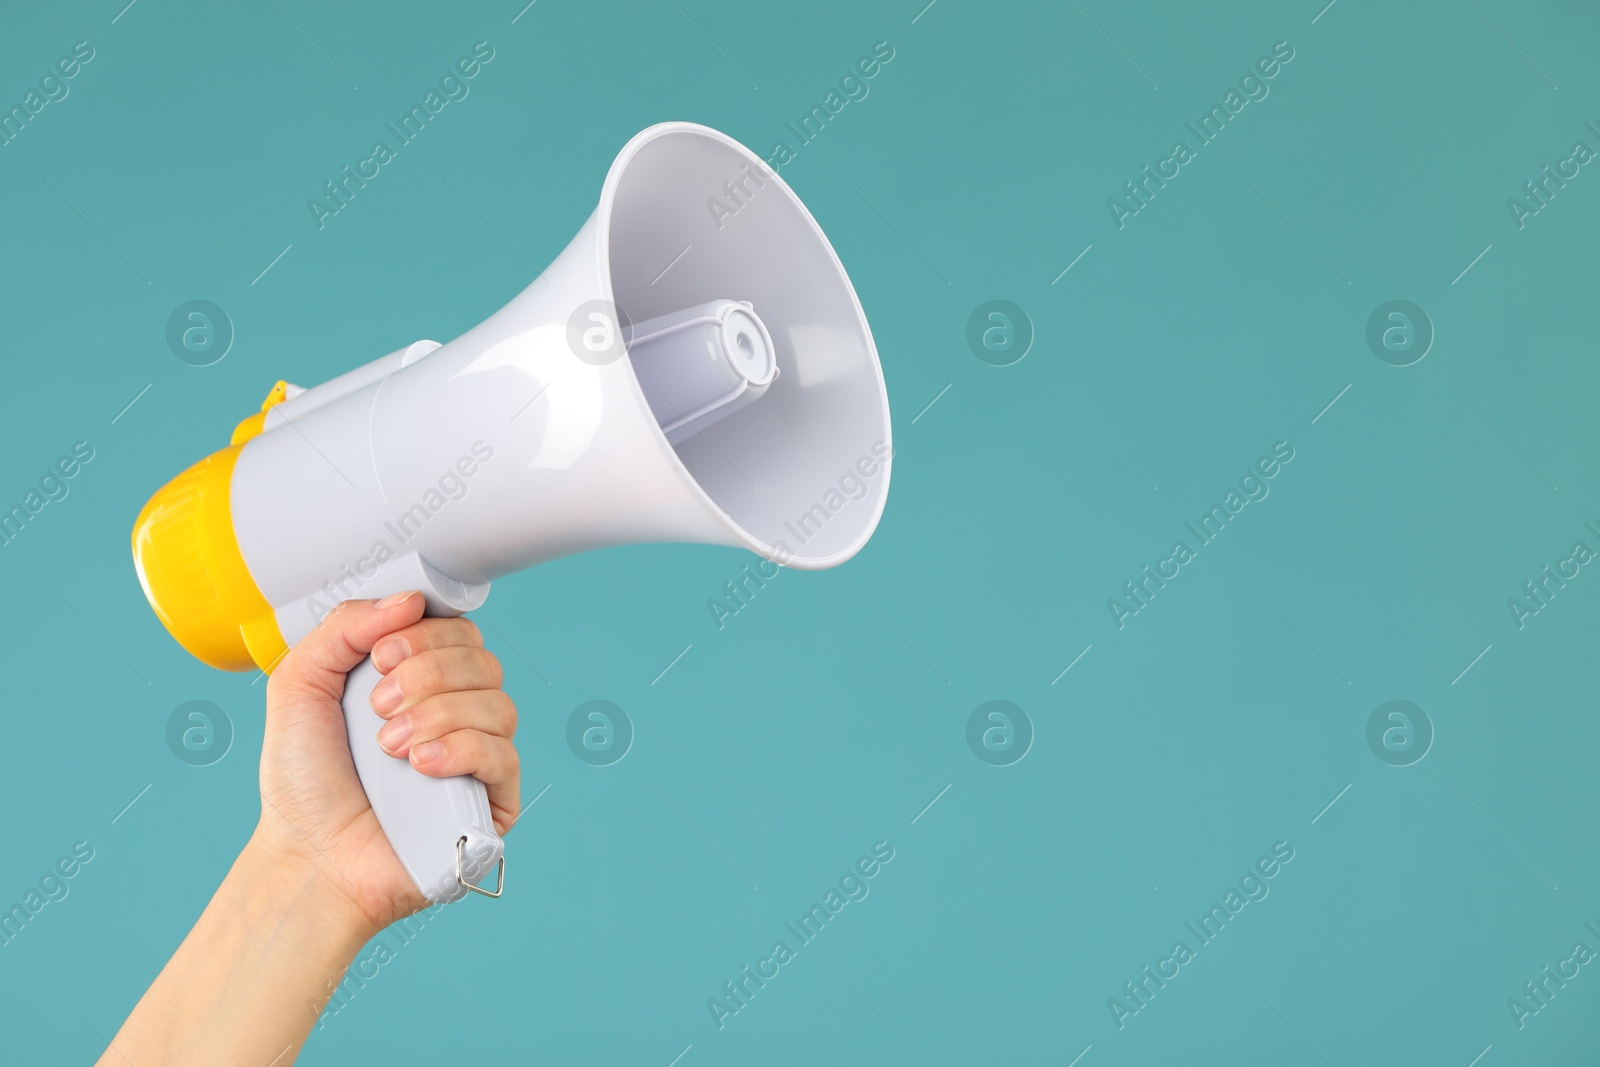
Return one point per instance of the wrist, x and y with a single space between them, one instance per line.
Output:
294 886
257 970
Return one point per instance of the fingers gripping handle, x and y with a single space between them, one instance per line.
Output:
433 824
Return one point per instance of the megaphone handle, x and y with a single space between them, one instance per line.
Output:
441 828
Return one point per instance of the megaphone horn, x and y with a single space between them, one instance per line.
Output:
678 373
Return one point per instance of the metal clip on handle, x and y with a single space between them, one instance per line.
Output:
499 878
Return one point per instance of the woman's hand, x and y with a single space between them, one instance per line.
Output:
318 878
446 714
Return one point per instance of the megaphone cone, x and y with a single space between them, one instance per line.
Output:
694 366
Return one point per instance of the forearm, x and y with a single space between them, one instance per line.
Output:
248 982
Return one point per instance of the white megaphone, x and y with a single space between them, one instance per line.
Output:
694 366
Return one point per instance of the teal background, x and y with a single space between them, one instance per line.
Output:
823 718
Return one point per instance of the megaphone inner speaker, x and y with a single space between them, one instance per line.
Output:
691 219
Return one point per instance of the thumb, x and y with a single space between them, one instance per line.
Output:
318 664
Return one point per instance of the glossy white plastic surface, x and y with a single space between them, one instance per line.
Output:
424 818
443 467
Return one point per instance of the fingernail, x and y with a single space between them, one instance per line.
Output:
387 654
394 600
395 734
427 752
386 697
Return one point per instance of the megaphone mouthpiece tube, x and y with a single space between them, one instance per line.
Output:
699 365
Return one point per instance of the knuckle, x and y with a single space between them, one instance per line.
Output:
340 612
491 665
436 632
442 714
418 638
422 675
429 721
466 748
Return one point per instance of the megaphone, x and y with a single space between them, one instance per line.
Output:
693 367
